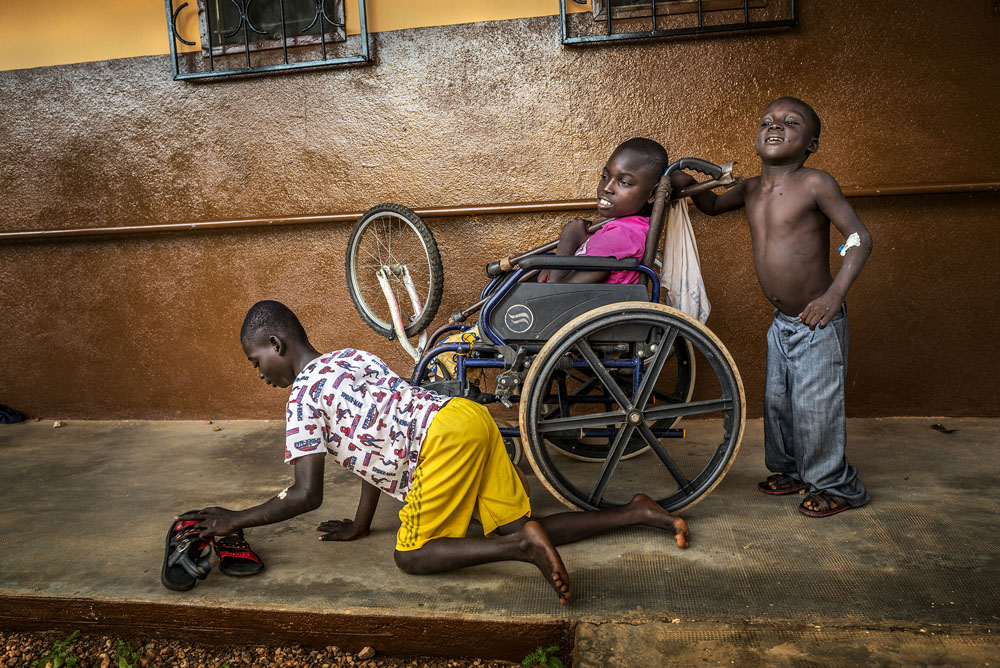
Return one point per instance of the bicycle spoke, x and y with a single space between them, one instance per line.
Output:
378 238
392 228
654 444
378 260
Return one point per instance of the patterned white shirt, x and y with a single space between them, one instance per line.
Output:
350 405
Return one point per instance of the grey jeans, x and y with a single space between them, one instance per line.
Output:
805 432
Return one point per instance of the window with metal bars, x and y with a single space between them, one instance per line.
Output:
615 20
240 37
265 25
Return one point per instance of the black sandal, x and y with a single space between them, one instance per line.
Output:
186 558
235 556
783 484
828 504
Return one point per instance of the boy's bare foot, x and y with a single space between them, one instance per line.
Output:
538 549
655 516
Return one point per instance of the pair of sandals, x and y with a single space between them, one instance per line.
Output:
187 557
824 503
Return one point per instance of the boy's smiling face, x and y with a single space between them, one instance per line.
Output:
626 186
785 133
269 360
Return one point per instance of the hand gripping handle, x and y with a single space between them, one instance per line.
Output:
698 165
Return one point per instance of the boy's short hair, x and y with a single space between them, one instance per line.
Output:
651 151
267 318
810 113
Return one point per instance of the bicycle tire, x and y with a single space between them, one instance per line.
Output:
373 236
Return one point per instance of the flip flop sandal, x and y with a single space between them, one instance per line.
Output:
783 484
235 556
829 504
186 557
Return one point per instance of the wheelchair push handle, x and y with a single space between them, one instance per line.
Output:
494 269
719 175
698 165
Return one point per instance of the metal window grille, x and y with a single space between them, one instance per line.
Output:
244 37
617 20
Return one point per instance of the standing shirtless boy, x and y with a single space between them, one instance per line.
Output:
789 209
444 457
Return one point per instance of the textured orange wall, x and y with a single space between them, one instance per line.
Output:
146 326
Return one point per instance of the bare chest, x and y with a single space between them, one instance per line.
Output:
784 214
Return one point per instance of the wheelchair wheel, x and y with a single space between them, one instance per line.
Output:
676 385
676 472
594 450
391 236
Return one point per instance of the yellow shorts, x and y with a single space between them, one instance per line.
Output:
463 469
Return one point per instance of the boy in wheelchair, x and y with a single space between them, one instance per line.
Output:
443 457
625 193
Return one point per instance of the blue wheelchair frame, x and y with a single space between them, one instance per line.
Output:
499 287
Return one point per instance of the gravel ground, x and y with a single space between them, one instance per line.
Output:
20 650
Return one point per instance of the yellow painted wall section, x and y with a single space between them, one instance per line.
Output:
388 15
60 32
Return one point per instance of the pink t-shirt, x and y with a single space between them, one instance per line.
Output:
621 238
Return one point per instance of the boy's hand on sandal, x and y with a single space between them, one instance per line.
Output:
213 521
344 529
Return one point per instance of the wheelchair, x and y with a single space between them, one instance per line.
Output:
599 375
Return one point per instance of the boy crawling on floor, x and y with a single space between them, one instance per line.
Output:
443 456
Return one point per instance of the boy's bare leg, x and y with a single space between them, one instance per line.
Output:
528 543
568 527
534 540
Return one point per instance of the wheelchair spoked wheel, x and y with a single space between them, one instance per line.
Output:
678 376
393 239
676 472
595 449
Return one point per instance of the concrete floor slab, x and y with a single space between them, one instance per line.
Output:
84 510
727 644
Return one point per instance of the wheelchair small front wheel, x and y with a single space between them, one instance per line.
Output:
392 239
676 472
512 444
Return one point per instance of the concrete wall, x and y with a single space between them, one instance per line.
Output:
147 325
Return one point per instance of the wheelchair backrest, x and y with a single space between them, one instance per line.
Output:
534 312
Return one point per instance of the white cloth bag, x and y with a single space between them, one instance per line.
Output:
681 271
